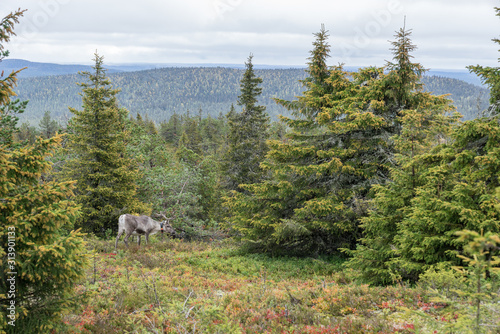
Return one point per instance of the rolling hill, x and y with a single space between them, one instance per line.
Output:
160 92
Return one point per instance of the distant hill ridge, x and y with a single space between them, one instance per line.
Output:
43 69
35 69
160 92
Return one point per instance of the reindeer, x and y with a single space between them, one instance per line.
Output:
141 225
144 225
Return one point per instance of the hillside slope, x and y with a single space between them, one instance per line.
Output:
161 92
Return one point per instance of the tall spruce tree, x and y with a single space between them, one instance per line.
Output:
248 132
104 173
277 213
423 123
41 257
458 190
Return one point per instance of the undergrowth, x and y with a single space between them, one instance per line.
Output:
211 287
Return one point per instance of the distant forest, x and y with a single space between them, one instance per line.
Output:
159 93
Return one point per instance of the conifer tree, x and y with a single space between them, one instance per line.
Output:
191 135
424 123
41 257
268 215
212 132
248 132
457 191
184 153
490 76
339 146
48 126
171 130
26 133
8 108
104 173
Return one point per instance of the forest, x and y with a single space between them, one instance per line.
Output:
160 93
362 202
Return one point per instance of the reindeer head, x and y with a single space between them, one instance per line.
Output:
165 226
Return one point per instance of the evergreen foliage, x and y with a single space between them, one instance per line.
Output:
48 126
176 181
441 185
105 174
171 130
26 133
191 135
275 214
9 110
341 143
491 77
458 192
164 92
41 257
248 132
48 256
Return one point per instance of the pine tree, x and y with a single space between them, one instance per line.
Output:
248 132
104 173
41 257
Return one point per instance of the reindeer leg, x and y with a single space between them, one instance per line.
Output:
126 238
139 240
118 238
147 238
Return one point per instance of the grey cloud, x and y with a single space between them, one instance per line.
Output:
447 32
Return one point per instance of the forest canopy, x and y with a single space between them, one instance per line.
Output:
162 92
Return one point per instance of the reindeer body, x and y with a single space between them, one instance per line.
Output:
140 225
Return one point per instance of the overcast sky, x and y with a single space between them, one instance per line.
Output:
448 33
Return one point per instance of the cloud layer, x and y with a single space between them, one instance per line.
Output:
448 33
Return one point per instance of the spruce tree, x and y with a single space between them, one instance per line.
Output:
490 76
424 122
171 130
104 173
9 108
248 132
48 126
26 133
191 135
458 191
274 214
41 256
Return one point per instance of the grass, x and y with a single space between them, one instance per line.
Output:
181 287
